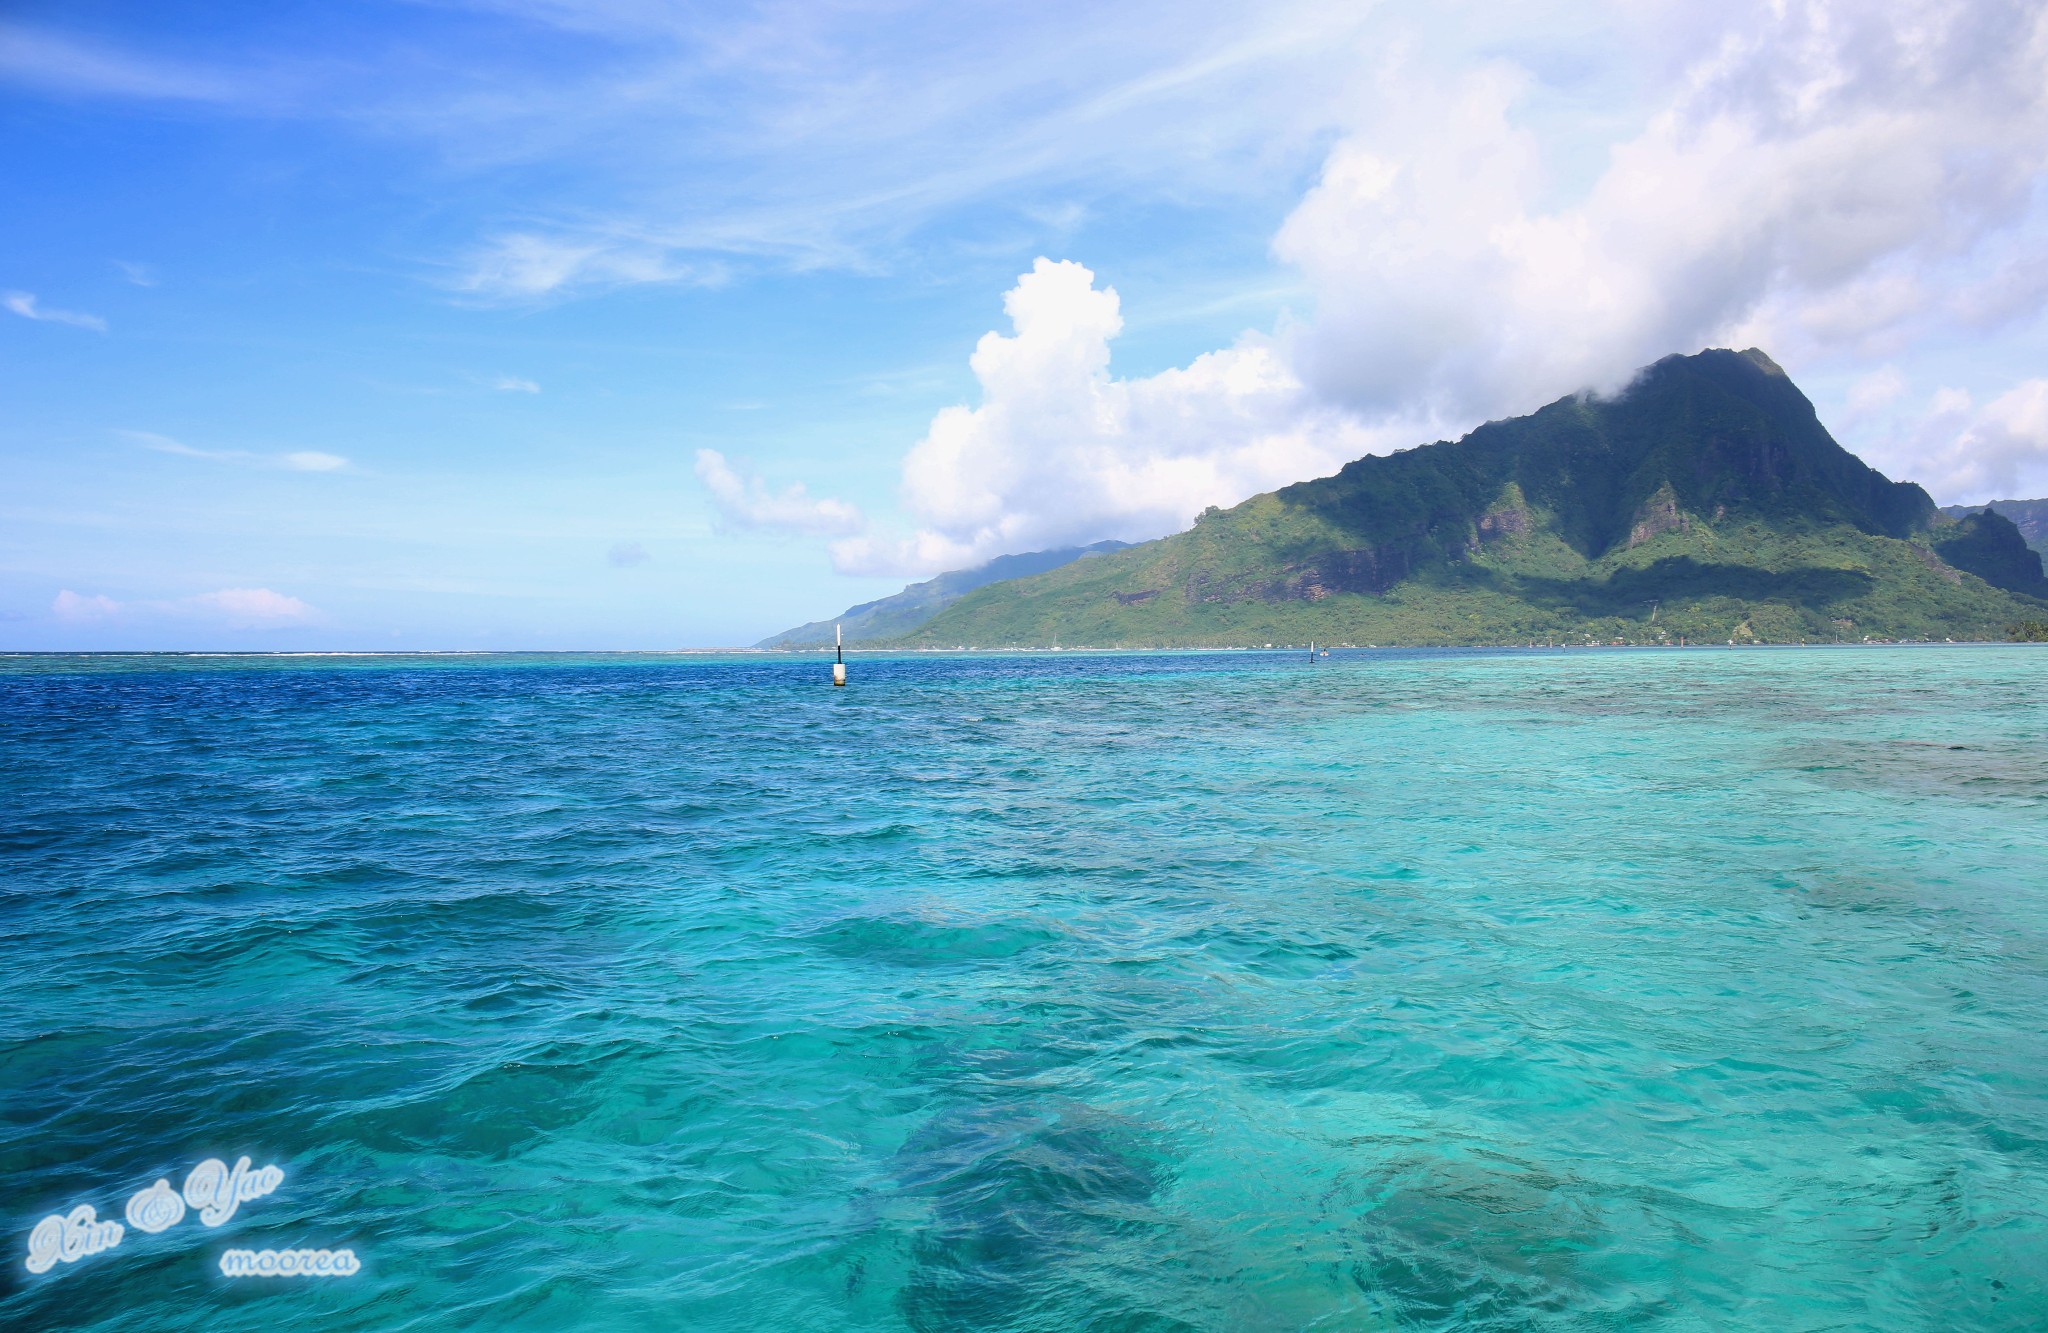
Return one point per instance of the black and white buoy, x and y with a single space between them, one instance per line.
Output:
838 657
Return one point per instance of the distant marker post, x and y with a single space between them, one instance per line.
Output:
838 657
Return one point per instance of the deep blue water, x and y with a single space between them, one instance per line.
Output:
1588 990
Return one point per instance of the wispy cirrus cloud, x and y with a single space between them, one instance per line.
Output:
702 140
800 137
514 384
69 63
27 306
297 460
525 265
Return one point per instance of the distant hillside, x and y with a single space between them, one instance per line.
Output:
902 613
1707 502
2029 516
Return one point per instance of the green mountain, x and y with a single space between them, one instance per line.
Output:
1707 502
2029 516
901 613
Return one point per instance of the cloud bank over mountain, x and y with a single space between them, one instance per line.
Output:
1830 181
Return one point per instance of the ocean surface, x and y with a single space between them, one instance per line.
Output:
1695 990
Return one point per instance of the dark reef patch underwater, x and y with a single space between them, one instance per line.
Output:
1410 990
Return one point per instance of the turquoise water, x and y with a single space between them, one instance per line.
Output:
1591 990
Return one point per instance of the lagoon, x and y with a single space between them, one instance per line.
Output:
1696 989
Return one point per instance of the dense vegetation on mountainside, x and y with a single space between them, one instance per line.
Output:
900 613
1706 503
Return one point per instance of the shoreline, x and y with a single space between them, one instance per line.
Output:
1019 650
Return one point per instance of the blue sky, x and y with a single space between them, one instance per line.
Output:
640 324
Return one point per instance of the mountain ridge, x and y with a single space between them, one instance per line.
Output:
903 612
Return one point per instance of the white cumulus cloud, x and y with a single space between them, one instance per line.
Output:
1058 452
748 502
27 306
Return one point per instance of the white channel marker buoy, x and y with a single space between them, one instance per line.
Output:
838 657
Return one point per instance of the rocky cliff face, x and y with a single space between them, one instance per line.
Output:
2029 516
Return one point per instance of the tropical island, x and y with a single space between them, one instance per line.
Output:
1706 503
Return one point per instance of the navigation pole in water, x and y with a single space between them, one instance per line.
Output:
838 657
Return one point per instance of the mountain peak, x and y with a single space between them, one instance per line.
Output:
1762 361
